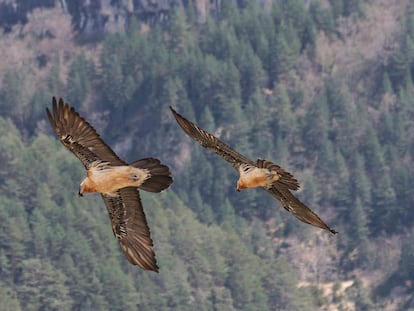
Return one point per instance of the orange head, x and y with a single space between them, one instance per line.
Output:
240 185
85 186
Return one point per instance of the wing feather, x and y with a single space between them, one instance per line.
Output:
297 208
210 141
130 227
79 136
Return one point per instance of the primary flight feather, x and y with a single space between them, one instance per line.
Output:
115 180
265 174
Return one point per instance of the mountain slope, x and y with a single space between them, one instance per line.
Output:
324 90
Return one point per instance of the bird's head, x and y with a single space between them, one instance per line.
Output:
84 187
240 186
80 193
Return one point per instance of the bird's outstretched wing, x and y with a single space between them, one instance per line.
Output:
297 208
79 136
211 142
130 227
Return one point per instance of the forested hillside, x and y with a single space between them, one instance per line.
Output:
322 88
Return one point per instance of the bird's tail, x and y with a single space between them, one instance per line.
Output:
160 178
285 179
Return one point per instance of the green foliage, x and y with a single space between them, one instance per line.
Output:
280 288
75 262
11 92
317 124
242 75
9 299
322 17
281 57
41 286
80 77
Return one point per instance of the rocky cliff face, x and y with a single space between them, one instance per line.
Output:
101 16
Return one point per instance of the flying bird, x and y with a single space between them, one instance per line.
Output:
264 174
116 181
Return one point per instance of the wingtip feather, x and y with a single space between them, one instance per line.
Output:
333 231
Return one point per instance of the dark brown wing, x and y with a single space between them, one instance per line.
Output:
297 208
79 136
210 142
130 227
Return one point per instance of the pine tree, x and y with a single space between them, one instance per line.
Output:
279 283
337 7
284 110
398 67
281 57
295 13
35 110
359 178
11 93
41 233
207 120
316 124
252 75
343 117
245 285
383 194
55 83
386 131
12 148
80 75
309 36
359 237
322 17
41 286
228 10
178 39
341 195
112 80
118 289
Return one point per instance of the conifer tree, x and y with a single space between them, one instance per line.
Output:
316 125
178 29
10 93
383 194
79 79
281 57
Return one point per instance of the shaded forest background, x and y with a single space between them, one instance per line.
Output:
323 88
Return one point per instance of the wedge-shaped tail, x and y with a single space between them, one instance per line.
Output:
285 179
160 174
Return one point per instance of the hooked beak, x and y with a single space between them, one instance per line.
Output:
80 193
